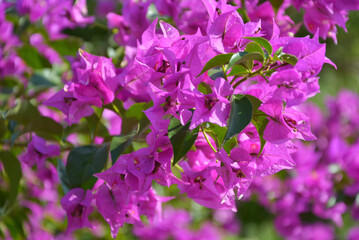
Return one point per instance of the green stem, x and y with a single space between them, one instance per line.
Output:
224 73
116 109
255 73
205 136
179 168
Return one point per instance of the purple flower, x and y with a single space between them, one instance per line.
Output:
38 151
214 107
77 204
353 233
70 105
226 32
94 79
285 125
114 210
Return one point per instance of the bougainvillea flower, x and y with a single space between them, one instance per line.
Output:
77 204
226 31
38 151
93 79
114 210
283 126
70 106
214 107
239 170
291 88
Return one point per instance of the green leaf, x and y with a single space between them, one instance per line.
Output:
83 162
119 144
215 73
256 103
32 57
243 57
136 111
64 180
259 118
240 116
90 32
288 58
181 137
204 88
45 127
276 4
260 121
254 47
263 42
12 169
67 46
216 132
217 61
238 70
95 125
24 112
3 127
37 80
277 54
230 144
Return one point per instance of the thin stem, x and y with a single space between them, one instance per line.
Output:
255 73
116 109
205 136
265 78
234 79
224 73
179 168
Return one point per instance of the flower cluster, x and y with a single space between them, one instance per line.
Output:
324 184
205 100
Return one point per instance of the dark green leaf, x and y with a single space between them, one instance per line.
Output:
217 61
45 127
32 57
12 168
254 47
256 103
119 145
215 73
204 88
83 162
24 113
276 4
181 137
64 180
263 42
3 127
89 33
243 57
288 58
240 116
